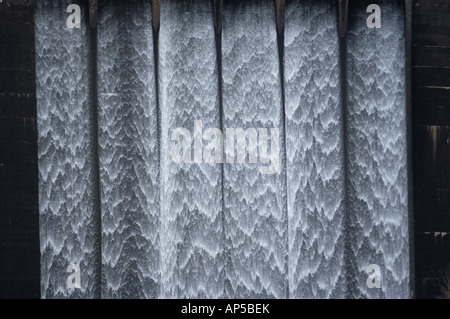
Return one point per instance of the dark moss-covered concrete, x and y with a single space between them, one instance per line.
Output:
19 215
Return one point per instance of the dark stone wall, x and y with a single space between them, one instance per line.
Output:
431 146
19 217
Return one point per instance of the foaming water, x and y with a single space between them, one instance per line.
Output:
222 230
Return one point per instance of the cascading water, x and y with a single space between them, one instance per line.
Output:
255 204
191 198
336 203
68 223
377 172
314 145
128 151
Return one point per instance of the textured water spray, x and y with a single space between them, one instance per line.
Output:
181 126
68 224
315 159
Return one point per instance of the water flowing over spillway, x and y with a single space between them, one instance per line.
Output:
68 225
315 165
128 151
324 197
191 213
255 204
377 154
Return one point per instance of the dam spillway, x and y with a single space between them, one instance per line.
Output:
141 225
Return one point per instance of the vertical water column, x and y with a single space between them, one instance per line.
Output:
129 163
314 142
255 203
191 213
67 201
377 172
